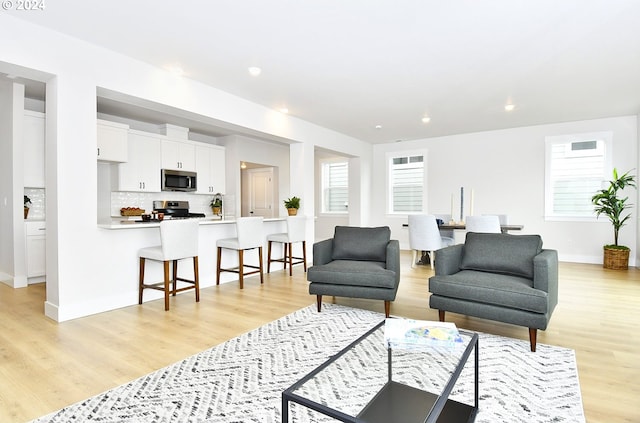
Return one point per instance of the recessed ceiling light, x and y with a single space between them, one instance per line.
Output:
176 70
255 71
378 126
426 119
284 110
509 107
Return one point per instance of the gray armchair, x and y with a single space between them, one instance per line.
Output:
356 263
501 277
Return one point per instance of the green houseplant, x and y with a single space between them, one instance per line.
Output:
216 205
27 201
607 201
292 205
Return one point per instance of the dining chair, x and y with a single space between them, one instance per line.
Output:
250 236
487 224
503 218
446 219
179 240
296 229
424 235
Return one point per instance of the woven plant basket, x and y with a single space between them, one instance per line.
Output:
615 259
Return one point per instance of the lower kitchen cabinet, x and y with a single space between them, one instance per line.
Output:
35 240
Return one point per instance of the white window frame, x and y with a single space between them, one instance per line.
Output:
605 146
389 191
324 164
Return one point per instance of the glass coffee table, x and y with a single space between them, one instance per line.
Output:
371 381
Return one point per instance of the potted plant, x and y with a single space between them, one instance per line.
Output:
27 201
607 202
216 205
292 205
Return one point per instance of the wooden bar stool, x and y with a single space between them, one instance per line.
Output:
179 240
296 229
249 236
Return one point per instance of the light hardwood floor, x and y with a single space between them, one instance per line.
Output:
46 365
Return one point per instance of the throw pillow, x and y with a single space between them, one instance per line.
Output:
354 243
501 253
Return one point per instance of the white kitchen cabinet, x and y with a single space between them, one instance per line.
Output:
141 172
34 144
112 141
210 166
35 240
178 155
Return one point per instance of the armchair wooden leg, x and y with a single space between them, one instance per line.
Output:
533 338
319 301
441 315
387 308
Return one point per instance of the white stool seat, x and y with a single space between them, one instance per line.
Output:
296 230
250 236
283 237
230 243
179 240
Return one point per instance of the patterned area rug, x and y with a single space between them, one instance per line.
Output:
242 379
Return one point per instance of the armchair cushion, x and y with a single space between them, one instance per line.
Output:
354 273
491 288
368 244
501 253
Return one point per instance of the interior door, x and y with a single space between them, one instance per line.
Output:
261 192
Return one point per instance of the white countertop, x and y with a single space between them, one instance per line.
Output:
123 223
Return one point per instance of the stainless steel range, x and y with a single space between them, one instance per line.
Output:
175 209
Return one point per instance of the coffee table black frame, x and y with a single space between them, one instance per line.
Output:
397 402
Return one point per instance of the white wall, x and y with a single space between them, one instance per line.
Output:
80 267
506 171
12 255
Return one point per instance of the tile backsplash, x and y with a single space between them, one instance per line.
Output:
37 206
198 203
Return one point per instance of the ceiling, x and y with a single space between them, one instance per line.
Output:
353 65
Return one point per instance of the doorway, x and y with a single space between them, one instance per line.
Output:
258 190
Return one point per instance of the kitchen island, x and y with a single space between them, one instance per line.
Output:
121 239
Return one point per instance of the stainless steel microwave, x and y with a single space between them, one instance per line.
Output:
178 180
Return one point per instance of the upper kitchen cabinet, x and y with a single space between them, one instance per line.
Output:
210 166
141 172
34 144
112 141
178 155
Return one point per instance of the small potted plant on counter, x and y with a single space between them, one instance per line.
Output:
292 205
607 202
27 201
216 205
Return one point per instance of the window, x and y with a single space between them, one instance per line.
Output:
335 187
406 183
576 165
